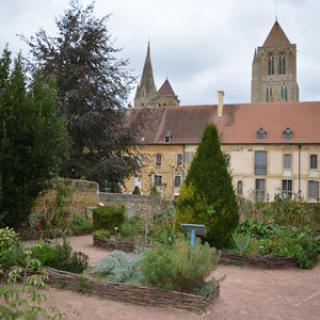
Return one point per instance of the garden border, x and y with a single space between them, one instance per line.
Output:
266 261
110 244
140 295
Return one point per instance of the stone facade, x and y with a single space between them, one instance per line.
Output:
147 95
274 69
241 167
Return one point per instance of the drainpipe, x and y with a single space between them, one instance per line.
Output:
299 171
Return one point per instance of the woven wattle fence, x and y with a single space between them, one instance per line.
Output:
145 296
267 261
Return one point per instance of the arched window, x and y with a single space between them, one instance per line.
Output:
239 188
269 94
284 93
270 65
282 65
261 134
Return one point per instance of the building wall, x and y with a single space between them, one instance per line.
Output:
241 166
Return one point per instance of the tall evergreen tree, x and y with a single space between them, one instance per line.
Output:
32 139
207 196
93 86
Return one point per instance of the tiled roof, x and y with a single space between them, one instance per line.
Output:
166 89
276 37
238 125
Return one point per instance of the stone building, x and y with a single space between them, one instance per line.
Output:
147 95
272 144
274 69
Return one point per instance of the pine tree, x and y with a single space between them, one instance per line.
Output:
93 86
33 139
207 196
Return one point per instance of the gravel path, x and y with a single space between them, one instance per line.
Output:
246 294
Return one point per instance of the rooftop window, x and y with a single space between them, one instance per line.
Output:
287 134
261 134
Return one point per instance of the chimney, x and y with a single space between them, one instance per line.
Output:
220 102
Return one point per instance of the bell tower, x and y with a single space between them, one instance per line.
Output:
274 69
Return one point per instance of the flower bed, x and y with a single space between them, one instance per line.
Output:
112 244
266 261
145 296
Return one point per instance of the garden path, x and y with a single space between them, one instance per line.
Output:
246 294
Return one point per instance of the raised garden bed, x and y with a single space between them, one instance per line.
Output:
112 244
267 261
132 294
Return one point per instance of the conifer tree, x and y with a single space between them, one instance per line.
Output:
207 196
33 139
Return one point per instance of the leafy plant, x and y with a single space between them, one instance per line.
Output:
8 238
257 229
21 296
118 267
179 267
108 217
242 242
60 257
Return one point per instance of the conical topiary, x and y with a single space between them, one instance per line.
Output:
207 196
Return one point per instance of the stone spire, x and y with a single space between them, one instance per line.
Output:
146 89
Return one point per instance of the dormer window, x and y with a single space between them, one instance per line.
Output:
168 138
287 134
261 134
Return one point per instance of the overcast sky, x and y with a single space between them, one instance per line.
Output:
202 45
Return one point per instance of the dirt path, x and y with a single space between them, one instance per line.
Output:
246 294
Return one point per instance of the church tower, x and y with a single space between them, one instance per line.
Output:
146 90
274 69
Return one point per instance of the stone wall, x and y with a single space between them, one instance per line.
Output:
134 204
83 194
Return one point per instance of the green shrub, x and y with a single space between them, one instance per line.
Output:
108 217
179 267
242 242
12 256
131 228
257 229
207 196
298 243
118 267
102 234
60 257
80 224
8 238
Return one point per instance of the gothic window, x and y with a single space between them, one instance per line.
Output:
284 93
269 94
158 159
261 134
287 134
260 163
282 65
270 65
239 188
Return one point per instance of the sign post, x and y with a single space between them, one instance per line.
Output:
195 230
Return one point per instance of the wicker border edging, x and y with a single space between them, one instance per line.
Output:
110 244
132 294
267 261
